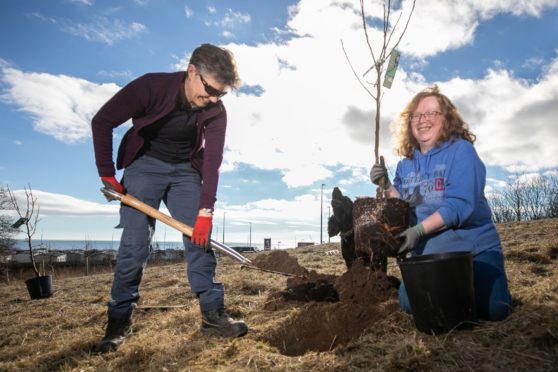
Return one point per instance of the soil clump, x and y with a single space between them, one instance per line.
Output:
376 223
332 310
280 261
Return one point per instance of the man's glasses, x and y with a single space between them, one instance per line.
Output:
428 115
210 90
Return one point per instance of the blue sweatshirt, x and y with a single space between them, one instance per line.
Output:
450 179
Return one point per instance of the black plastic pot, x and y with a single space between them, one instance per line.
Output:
441 290
39 287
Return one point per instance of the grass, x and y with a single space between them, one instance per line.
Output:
59 333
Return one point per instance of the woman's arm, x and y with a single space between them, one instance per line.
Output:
433 223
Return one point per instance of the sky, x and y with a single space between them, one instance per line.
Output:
300 124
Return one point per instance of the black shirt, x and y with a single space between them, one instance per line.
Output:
172 138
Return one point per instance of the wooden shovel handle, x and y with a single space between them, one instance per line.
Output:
152 212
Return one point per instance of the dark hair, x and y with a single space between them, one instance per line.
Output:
454 126
217 62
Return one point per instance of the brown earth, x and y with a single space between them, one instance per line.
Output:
279 261
320 326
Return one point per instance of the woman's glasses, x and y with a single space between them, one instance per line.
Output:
428 115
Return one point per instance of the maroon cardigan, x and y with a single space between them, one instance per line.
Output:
146 100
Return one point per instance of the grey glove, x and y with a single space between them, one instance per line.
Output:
411 237
379 175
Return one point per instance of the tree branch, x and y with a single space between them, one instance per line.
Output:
354 72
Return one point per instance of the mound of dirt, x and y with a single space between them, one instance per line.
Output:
312 287
322 326
281 261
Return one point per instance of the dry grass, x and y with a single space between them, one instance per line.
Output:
58 333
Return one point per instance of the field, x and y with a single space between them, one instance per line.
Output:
59 333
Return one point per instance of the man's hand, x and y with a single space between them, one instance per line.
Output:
112 183
202 230
411 237
379 175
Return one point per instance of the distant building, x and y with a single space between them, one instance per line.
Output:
6 258
51 257
75 257
21 258
241 249
304 244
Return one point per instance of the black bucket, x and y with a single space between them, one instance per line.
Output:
441 290
39 287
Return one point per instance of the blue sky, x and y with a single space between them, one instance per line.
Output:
301 118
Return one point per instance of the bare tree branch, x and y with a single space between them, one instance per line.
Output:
404 30
354 72
365 27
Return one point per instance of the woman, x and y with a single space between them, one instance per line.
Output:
443 180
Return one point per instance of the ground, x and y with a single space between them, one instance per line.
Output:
287 333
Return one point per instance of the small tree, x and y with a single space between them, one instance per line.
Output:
387 49
29 219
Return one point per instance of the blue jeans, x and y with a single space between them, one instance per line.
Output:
178 186
492 297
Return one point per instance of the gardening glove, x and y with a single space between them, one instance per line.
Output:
411 237
379 175
202 230
113 184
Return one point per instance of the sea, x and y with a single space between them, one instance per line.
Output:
103 245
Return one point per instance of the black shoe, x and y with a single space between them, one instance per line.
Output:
219 323
118 330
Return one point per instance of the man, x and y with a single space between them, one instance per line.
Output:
172 154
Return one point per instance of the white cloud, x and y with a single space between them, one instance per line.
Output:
533 62
268 217
496 183
44 18
512 118
438 26
106 31
188 12
18 142
83 2
283 220
116 74
51 204
60 106
211 9
228 34
232 20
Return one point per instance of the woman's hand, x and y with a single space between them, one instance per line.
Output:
410 237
